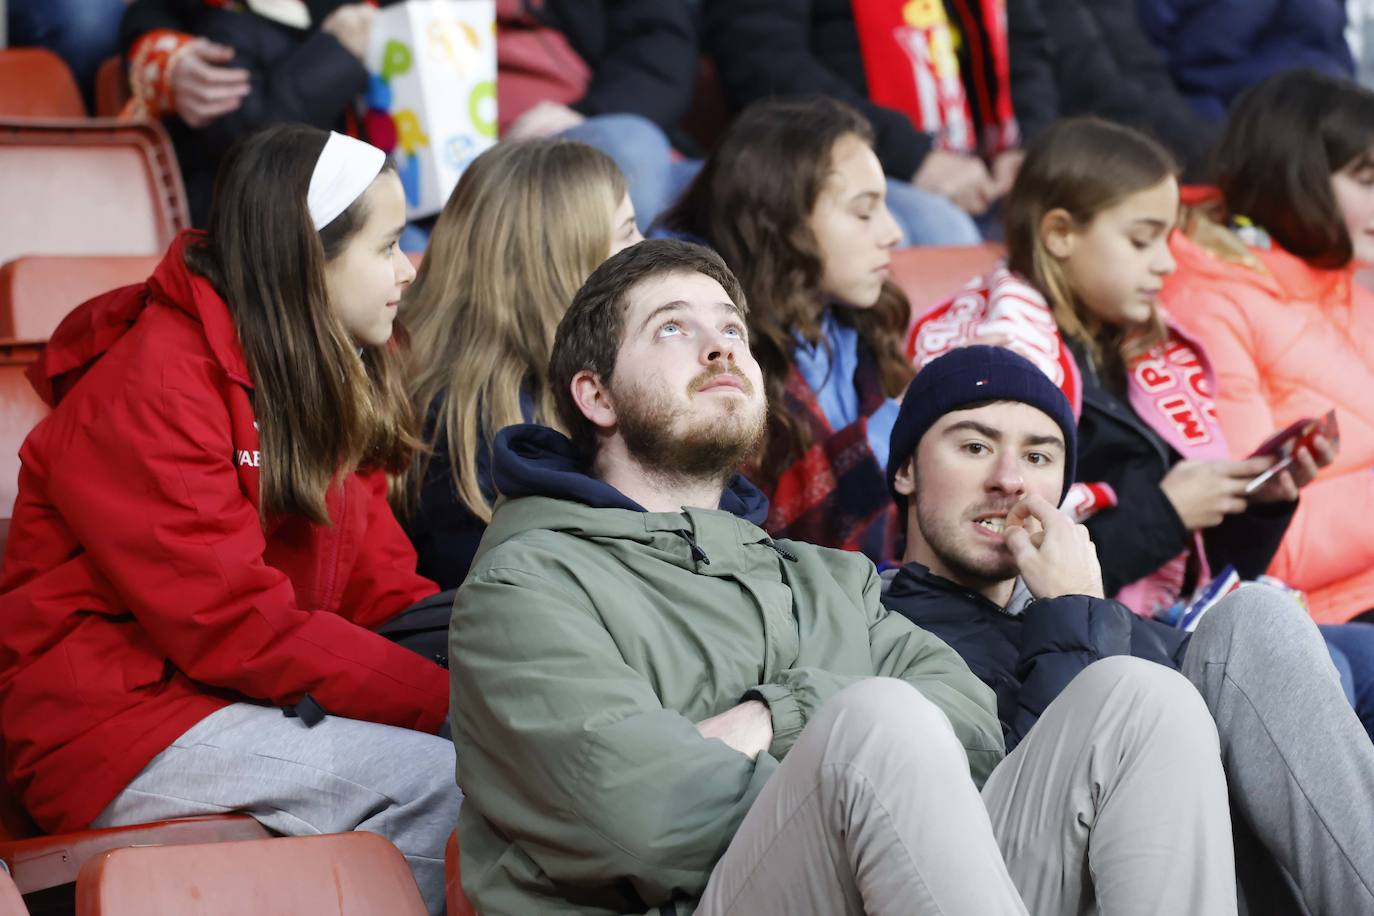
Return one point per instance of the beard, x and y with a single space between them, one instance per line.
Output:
678 443
948 540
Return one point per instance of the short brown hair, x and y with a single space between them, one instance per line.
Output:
1285 138
591 332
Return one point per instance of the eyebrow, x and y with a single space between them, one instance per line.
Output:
996 435
395 233
1153 223
677 304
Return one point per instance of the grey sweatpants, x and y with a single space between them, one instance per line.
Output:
340 775
1115 802
1299 764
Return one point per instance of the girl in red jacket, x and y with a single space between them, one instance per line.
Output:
202 535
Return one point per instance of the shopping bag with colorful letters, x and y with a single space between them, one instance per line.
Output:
432 97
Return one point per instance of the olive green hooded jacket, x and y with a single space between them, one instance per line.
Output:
588 639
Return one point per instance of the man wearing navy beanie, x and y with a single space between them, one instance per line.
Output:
982 453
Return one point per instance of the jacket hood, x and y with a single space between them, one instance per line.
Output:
533 460
98 324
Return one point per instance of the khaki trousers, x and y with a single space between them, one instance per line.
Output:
1114 803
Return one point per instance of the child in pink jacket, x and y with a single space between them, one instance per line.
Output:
1289 332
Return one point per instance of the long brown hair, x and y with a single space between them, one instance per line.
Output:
1285 137
526 225
324 406
751 202
1082 166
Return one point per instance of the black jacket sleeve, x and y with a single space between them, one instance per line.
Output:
1104 65
1061 637
1249 540
1034 95
763 48
648 64
313 81
1140 535
144 16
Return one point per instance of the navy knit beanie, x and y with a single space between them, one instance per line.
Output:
974 375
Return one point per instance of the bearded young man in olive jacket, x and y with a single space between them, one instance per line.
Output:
658 708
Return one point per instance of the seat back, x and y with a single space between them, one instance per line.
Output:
37 292
342 874
91 187
11 903
20 411
930 275
458 903
111 88
36 83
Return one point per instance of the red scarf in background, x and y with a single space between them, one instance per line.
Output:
945 65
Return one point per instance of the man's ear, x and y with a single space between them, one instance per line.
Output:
1059 233
905 480
593 398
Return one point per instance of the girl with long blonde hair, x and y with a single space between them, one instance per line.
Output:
525 226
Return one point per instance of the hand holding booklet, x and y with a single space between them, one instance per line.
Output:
1285 443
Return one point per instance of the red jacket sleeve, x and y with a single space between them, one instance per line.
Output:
383 582
145 481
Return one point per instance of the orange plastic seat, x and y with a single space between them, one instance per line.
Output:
458 903
929 275
11 903
341 874
111 88
20 411
88 187
36 83
37 292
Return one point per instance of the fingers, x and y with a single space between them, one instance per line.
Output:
1040 509
1248 468
1021 545
1304 468
1232 505
1323 451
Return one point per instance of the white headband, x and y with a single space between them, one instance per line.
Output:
342 173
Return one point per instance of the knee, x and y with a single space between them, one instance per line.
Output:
626 138
1152 692
1261 617
895 721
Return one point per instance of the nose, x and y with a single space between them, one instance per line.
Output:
1006 477
1165 263
719 347
401 264
890 233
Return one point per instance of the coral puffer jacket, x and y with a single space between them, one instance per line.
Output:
1290 341
140 592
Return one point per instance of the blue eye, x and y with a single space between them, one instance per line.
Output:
736 331
668 329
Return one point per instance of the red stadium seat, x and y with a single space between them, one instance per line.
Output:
36 83
37 292
89 187
929 275
458 904
111 88
20 411
11 904
341 874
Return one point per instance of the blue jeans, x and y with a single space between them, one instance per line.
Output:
82 32
1355 641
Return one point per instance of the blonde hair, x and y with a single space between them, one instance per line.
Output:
527 223
1082 166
